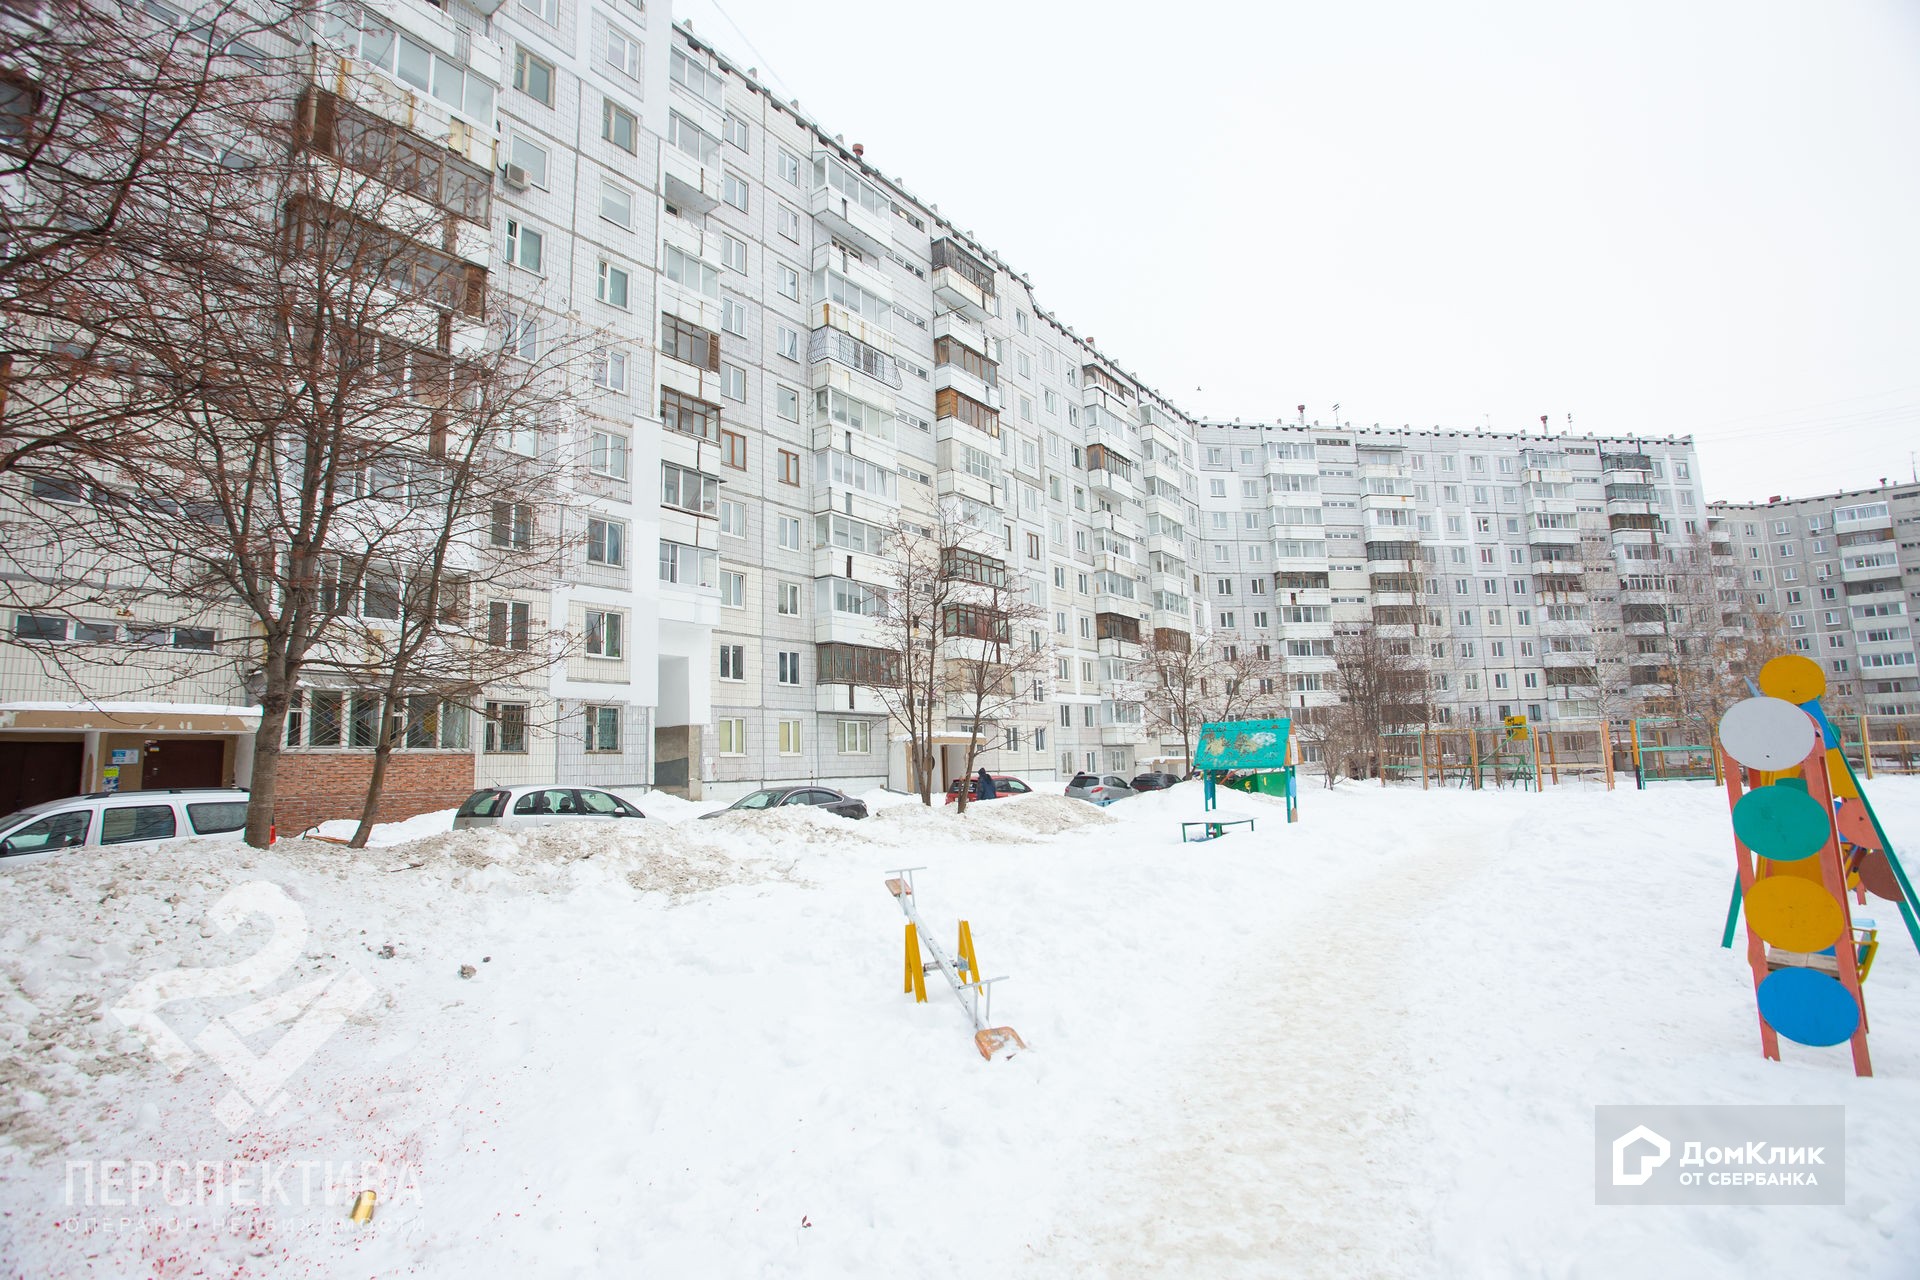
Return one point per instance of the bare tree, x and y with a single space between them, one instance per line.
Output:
1381 684
906 667
1196 681
107 115
995 648
341 350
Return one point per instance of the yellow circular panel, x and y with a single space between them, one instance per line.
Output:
1794 914
1793 678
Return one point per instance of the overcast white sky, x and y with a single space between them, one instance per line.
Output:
1663 216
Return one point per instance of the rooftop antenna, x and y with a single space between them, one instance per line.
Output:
1303 414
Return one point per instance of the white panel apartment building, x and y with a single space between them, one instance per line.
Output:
798 349
1843 572
1499 557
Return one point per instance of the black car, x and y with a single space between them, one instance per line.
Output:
1154 781
774 797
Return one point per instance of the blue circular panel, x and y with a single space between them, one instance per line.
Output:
1808 1007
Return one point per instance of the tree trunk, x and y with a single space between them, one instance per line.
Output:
377 778
268 740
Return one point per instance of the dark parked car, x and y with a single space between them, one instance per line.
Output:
774 797
1154 781
1003 786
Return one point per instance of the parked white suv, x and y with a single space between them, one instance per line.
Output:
122 817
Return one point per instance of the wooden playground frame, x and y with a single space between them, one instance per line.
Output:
1478 755
1880 744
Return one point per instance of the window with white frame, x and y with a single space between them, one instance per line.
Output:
607 454
526 247
616 203
789 737
789 666
790 599
856 737
603 633
731 736
733 589
733 662
603 730
613 284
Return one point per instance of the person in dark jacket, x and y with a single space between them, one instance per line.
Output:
983 788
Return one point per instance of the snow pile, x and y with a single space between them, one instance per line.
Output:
389 833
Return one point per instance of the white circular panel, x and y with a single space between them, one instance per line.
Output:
1767 733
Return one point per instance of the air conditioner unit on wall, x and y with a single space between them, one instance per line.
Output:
514 176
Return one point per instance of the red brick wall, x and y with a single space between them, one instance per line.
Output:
318 785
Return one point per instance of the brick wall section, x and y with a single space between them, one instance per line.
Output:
318 785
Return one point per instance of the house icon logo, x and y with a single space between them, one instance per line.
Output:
1658 1149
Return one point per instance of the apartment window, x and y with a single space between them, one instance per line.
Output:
790 599
789 666
732 736
613 285
733 518
733 382
737 131
623 53
856 737
696 77
506 728
789 166
603 730
41 627
733 450
690 344
688 490
688 416
508 623
607 454
512 525
523 153
786 403
733 662
733 252
525 246
610 369
618 126
733 316
789 223
533 76
616 204
685 269
789 342
789 737
734 191
790 533
789 467
606 542
603 634
789 282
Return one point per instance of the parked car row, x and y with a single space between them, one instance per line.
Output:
115 817
1105 788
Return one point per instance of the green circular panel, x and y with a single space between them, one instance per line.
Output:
1798 784
1782 823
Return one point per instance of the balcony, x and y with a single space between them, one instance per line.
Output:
1625 492
951 377
1554 537
1611 462
1861 568
1118 522
685 183
831 257
849 206
956 326
848 699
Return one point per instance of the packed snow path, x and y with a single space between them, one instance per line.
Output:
1293 1149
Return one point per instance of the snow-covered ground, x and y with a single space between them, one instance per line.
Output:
1367 1044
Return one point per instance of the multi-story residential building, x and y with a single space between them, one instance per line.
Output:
1531 575
801 353
1842 574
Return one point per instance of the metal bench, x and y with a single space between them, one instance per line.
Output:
1210 828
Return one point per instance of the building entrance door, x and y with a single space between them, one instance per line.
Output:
31 772
183 762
